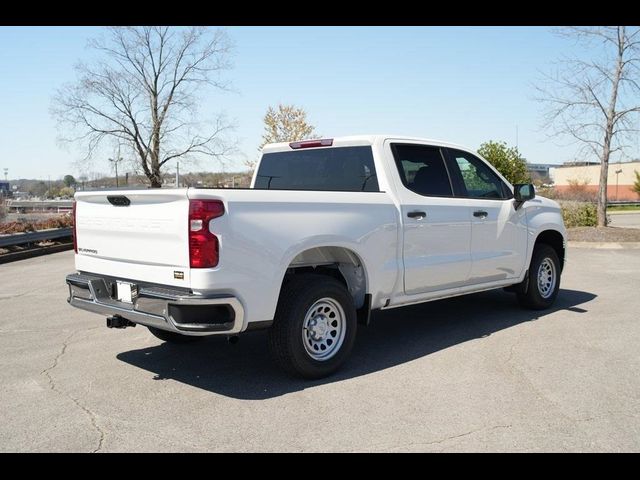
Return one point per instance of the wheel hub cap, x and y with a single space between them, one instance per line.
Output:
319 327
546 278
323 329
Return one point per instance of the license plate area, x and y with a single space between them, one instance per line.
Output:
126 292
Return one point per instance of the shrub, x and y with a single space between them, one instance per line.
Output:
578 190
547 191
579 214
61 221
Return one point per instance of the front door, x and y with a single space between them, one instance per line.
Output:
498 230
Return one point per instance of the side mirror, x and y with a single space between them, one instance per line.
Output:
523 192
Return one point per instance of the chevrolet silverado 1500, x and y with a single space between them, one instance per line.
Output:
329 230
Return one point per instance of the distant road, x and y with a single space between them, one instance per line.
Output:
625 219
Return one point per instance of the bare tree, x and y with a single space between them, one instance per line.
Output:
287 123
251 165
141 92
595 101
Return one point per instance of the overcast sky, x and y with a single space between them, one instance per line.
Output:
465 85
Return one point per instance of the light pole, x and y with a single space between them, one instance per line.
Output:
6 173
617 173
115 162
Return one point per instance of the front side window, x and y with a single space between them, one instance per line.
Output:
348 169
422 169
478 179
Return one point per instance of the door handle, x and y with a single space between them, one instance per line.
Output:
417 215
480 214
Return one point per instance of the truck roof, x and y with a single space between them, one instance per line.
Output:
353 140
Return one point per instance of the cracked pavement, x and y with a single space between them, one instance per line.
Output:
473 373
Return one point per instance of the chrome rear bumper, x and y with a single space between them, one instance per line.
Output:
160 307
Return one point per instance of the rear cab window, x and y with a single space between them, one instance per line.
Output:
348 169
422 169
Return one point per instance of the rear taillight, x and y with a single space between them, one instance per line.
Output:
323 142
203 245
75 235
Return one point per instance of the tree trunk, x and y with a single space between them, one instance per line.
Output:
608 134
156 180
602 190
156 177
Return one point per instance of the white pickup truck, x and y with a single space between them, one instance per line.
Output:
330 230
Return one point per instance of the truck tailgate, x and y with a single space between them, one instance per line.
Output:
145 229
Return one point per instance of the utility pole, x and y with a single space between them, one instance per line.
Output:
6 174
115 162
618 172
177 174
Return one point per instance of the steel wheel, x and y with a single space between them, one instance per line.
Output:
323 329
546 278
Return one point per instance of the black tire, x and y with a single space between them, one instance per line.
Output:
172 337
531 296
286 341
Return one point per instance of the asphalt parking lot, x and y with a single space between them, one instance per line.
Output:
469 374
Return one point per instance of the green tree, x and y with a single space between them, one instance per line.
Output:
286 123
636 184
69 181
507 160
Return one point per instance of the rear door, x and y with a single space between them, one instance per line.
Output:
498 230
436 226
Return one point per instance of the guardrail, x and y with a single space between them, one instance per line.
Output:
32 237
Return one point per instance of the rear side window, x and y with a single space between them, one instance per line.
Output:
348 169
422 169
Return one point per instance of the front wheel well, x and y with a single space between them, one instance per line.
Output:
555 240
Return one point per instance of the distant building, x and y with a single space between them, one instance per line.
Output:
579 163
5 189
542 169
587 176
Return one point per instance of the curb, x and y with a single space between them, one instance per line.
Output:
605 245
